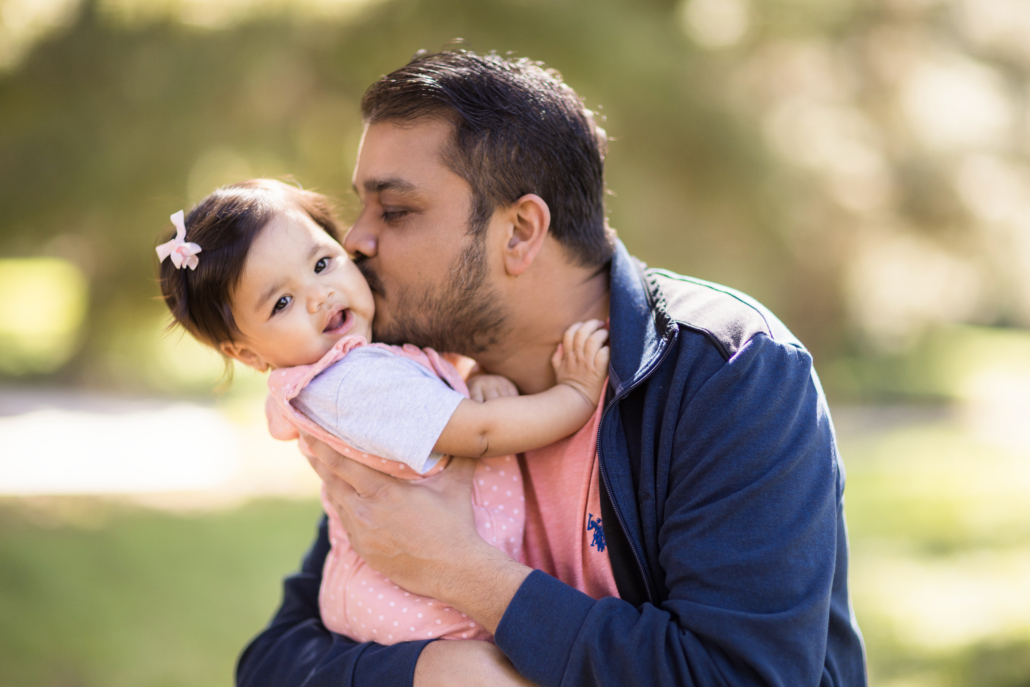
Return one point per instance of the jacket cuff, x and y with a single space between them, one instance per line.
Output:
388 666
541 625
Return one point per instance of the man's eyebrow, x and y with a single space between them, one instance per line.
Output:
389 184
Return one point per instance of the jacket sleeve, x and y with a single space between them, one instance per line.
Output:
296 650
746 505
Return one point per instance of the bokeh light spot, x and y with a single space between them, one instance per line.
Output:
715 23
42 307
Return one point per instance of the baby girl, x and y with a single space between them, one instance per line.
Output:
256 271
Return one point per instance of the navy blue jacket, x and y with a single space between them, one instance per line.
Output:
722 508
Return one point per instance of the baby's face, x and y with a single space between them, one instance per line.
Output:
298 295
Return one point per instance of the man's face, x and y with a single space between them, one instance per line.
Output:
429 277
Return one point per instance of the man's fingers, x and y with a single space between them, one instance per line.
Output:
323 451
365 481
458 473
338 493
476 393
330 478
336 490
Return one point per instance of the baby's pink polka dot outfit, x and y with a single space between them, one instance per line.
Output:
354 599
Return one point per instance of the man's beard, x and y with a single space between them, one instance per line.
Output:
464 316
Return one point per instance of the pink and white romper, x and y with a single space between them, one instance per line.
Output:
354 599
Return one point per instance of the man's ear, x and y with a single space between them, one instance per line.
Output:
530 222
245 355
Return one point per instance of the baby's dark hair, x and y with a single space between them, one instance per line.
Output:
225 225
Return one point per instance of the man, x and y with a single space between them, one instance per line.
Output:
711 510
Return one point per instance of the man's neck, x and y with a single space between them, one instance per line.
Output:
545 307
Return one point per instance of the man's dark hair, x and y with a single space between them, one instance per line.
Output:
518 129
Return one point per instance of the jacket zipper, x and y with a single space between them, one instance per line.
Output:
604 479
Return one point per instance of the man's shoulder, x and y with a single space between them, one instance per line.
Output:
727 318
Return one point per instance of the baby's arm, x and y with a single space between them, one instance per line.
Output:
504 425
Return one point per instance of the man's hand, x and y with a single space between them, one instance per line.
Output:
421 535
465 663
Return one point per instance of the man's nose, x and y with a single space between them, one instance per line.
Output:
361 239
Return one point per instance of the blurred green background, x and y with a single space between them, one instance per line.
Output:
861 167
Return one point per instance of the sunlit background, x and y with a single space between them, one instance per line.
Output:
862 167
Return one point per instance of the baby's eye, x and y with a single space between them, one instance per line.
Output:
322 264
280 304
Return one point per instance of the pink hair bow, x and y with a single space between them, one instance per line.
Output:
183 254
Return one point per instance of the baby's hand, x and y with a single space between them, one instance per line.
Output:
581 360
485 387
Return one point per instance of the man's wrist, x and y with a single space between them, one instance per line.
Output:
465 662
486 584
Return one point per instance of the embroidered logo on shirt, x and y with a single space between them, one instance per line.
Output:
598 539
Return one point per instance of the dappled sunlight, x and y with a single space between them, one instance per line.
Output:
944 604
715 23
993 188
954 103
898 284
225 13
216 167
180 362
875 153
170 361
42 306
938 514
861 168
1002 25
940 533
177 448
22 22
837 140
998 407
926 475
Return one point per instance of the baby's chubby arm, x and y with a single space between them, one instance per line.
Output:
505 424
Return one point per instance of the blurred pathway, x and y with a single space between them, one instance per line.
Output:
175 454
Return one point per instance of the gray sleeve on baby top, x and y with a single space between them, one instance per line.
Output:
382 403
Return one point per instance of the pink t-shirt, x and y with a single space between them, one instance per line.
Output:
564 535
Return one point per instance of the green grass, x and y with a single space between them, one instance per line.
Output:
97 594
940 549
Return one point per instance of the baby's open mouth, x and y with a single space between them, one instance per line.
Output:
337 321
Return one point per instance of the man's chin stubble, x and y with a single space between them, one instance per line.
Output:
466 316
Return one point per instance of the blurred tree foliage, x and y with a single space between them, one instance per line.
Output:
860 167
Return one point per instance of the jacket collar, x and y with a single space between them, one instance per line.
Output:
638 323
